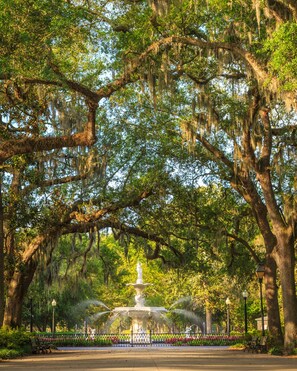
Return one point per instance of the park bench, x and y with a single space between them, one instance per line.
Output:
39 346
251 344
261 346
256 344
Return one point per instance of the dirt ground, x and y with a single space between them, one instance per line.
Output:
152 359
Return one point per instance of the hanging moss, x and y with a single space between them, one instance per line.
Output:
257 7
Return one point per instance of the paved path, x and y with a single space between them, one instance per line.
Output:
152 359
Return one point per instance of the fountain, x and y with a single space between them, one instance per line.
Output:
140 314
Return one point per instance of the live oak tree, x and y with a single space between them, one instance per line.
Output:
236 92
233 108
45 102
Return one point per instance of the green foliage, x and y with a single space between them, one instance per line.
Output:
294 352
13 339
282 48
14 343
211 340
33 34
11 353
276 351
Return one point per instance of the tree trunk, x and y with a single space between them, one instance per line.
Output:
285 259
271 296
208 319
17 289
2 291
259 210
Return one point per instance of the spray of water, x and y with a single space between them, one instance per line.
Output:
85 304
111 319
95 316
161 318
155 316
185 299
189 315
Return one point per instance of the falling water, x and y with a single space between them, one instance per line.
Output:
161 318
181 300
95 316
189 315
87 303
111 319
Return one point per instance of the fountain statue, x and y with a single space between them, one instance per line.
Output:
139 273
140 314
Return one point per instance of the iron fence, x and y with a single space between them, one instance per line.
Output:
139 339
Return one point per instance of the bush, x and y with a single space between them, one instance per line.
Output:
276 351
206 340
14 343
11 353
14 339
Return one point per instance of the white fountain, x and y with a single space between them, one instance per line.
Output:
140 314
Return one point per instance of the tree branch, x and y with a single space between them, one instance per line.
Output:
80 217
25 145
218 155
245 244
271 84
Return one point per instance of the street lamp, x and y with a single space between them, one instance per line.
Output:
260 272
245 295
54 304
31 315
228 302
86 327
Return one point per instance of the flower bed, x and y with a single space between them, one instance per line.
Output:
205 340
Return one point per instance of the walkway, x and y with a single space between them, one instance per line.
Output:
152 359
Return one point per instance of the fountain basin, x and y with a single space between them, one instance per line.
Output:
130 311
140 317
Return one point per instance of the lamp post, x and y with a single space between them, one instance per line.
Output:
31 315
54 304
228 302
86 327
245 295
260 272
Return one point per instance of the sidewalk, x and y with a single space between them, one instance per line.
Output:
152 359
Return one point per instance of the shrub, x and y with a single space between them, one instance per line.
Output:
276 351
14 339
11 353
205 340
14 343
